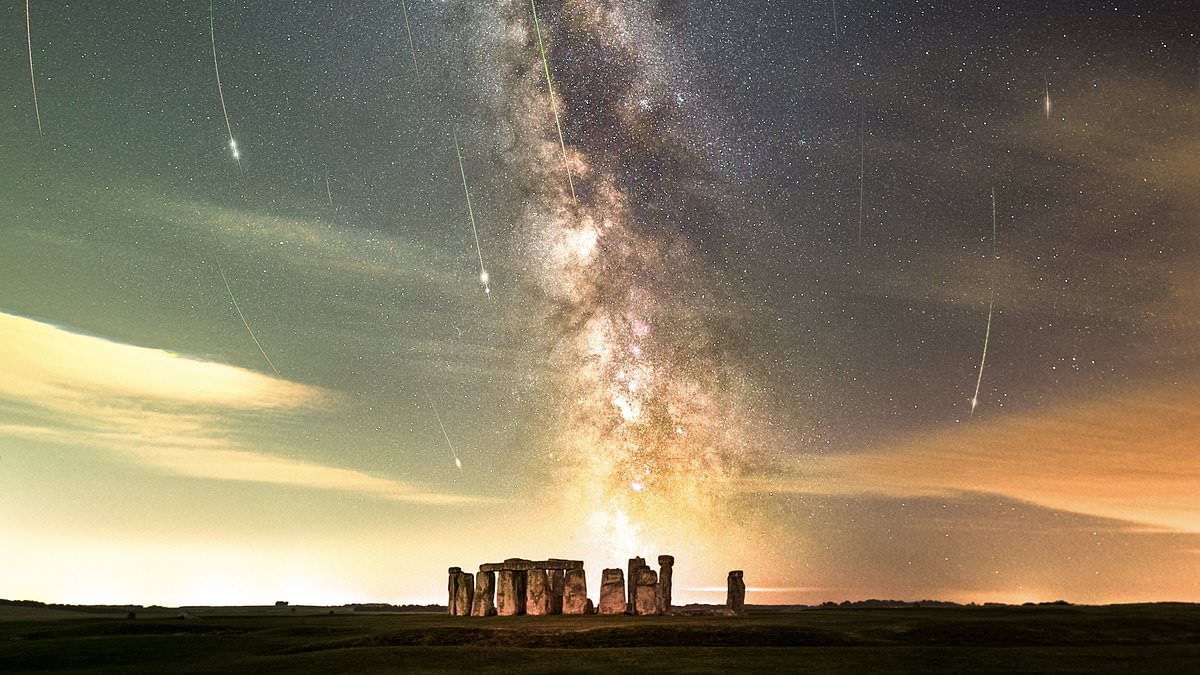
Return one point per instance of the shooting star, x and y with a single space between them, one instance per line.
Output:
37 111
1046 99
483 274
562 143
408 29
835 18
212 35
328 191
987 334
243 316
453 452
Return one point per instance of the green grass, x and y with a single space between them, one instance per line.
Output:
1134 638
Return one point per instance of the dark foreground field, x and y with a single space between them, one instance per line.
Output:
1124 639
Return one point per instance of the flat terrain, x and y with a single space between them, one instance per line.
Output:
1124 639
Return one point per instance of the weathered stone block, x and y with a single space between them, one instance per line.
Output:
666 566
735 598
575 598
484 603
646 593
632 568
510 592
464 594
612 592
537 594
452 589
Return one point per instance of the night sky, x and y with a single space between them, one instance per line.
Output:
736 314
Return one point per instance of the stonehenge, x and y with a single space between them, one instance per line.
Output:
556 586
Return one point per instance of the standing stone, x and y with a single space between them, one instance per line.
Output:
452 589
537 593
556 579
631 601
465 593
735 599
575 598
666 569
510 592
612 592
590 609
646 597
666 564
484 603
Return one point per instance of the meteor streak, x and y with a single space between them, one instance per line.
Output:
453 452
1046 100
562 144
987 334
407 29
244 322
37 111
212 35
483 274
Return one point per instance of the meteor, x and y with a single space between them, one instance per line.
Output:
453 452
407 29
562 144
243 316
37 111
987 334
1046 99
483 274
212 35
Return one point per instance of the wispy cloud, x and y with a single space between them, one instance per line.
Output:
1128 456
162 410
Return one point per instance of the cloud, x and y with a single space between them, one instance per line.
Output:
162 410
1128 456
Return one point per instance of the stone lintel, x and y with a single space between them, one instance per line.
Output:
526 565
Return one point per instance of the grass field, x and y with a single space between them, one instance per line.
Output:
1124 639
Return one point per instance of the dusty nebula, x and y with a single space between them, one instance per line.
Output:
652 425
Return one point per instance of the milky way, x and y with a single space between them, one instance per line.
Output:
651 426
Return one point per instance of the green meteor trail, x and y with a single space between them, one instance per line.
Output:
244 321
453 452
37 111
407 29
212 36
553 106
483 275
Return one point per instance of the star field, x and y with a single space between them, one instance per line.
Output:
367 308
